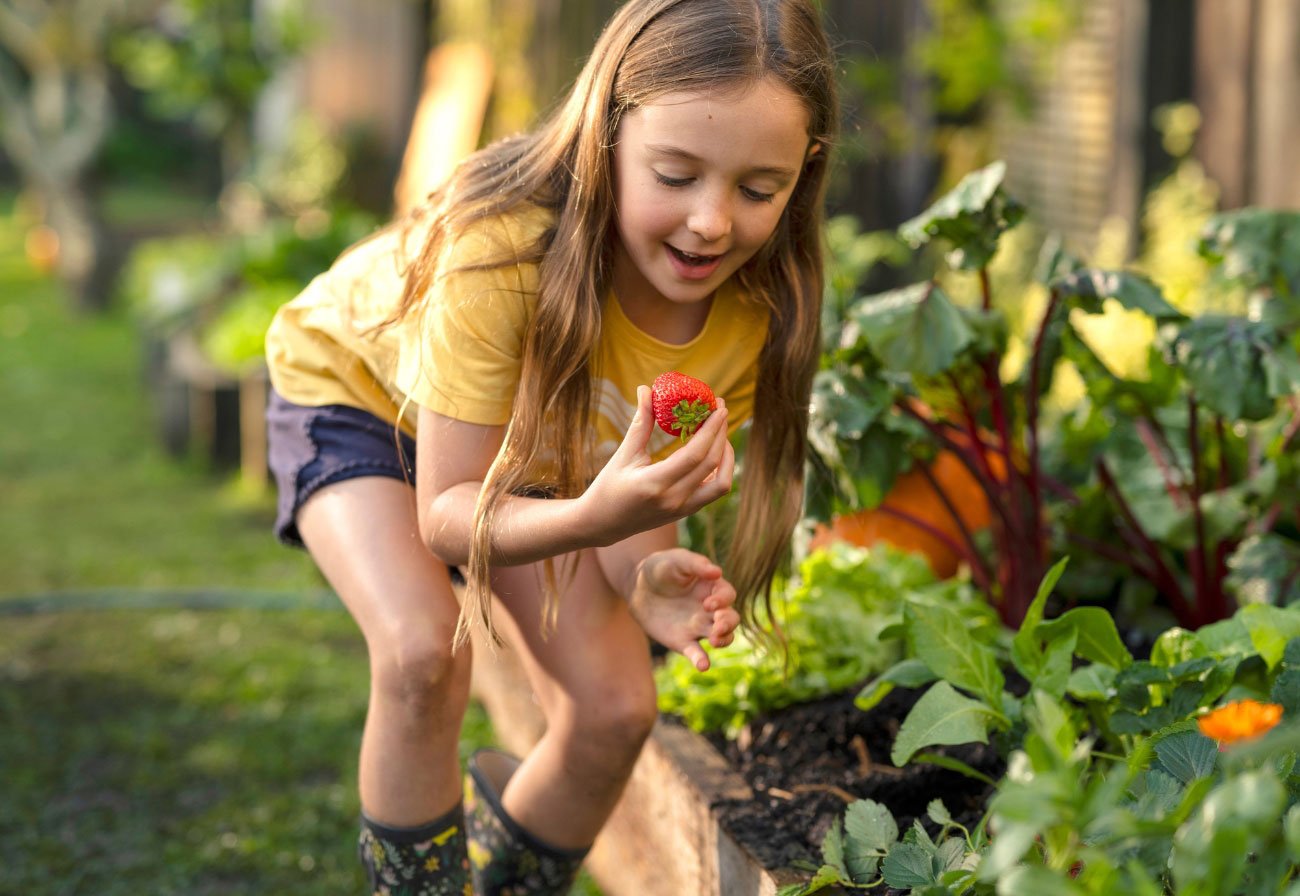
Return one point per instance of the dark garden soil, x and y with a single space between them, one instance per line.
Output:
805 763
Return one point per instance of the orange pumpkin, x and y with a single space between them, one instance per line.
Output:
913 495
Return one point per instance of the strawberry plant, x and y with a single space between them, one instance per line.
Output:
1119 778
1180 479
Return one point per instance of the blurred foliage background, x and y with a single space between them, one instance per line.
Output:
180 698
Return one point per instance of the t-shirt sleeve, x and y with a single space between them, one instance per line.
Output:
460 350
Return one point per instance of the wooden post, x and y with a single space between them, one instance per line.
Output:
1223 95
252 428
1276 85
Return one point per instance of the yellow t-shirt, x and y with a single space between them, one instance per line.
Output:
459 354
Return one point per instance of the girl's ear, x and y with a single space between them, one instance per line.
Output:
813 149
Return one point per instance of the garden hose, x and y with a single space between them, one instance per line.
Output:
168 599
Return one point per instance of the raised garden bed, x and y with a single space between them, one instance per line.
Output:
703 815
203 409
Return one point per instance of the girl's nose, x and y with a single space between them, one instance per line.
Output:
710 219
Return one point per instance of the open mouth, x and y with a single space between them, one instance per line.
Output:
691 259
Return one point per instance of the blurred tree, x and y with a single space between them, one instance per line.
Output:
55 110
206 61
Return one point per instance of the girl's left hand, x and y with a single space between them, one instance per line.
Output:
680 598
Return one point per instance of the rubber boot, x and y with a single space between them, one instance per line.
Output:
505 859
428 860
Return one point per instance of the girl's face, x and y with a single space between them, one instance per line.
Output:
700 182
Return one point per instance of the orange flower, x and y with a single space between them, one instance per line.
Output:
1239 720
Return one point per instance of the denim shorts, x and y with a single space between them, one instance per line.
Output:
309 448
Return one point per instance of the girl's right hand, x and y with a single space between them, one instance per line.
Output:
633 494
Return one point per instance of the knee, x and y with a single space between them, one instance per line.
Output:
611 729
419 671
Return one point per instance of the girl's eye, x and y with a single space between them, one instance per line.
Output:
671 181
756 195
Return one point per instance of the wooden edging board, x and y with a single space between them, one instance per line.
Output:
664 838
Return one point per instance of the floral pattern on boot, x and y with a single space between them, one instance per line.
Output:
426 861
505 859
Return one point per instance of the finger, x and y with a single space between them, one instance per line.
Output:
724 626
722 480
684 460
695 653
718 483
704 568
723 595
707 467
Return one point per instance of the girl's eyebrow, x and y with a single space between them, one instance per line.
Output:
676 152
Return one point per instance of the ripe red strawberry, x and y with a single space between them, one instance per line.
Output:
681 403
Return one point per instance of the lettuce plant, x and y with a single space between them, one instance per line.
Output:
843 597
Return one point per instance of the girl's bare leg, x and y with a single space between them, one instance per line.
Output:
364 536
593 678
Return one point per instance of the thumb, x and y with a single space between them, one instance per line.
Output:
638 431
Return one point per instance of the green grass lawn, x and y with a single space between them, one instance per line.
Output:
149 742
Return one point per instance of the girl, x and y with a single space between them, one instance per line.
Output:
494 350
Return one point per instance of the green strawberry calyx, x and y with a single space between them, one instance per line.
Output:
689 415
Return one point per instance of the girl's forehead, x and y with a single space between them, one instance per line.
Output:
765 105
762 114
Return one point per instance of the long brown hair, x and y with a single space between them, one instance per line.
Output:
648 49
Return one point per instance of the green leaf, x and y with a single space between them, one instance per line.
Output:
1187 755
1092 682
908 866
938 813
833 849
916 329
870 824
1222 356
1036 880
1286 692
1025 650
941 716
1291 826
941 639
1270 629
909 673
1099 640
1228 637
1058 660
1256 248
1261 566
826 876
1176 645
953 764
869 832
972 216
1212 848
1089 287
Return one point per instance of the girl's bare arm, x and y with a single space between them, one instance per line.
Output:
630 495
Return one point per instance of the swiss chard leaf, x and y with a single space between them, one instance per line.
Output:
916 329
1255 248
972 217
1089 288
1223 359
